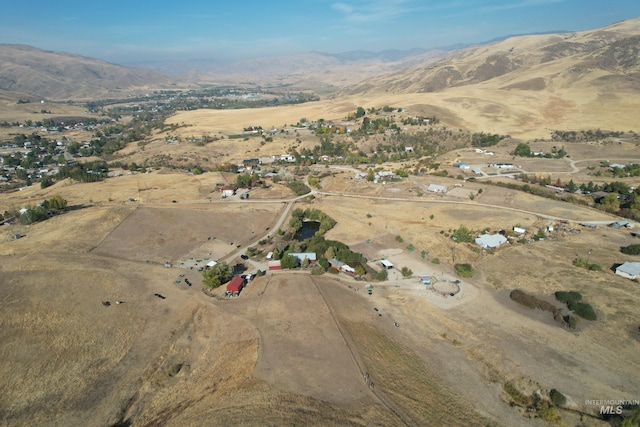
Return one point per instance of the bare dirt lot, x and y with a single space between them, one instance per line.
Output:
295 348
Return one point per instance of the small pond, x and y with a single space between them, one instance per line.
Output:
307 230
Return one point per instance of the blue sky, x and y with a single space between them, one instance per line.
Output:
138 30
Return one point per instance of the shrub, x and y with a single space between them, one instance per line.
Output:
567 297
572 321
583 310
406 272
435 261
382 275
516 395
631 249
557 398
548 413
464 270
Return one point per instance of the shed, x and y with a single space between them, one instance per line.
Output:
519 230
630 270
621 223
437 188
211 264
274 265
234 287
228 191
386 264
270 255
491 240
341 266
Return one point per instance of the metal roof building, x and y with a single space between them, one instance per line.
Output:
630 270
491 240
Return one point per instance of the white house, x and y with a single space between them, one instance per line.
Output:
491 240
630 270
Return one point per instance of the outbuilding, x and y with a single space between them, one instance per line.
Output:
435 188
630 270
386 264
341 266
274 265
234 287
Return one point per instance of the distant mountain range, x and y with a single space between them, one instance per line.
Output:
606 58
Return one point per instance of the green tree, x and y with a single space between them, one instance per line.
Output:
523 150
610 203
244 180
289 261
330 253
217 275
463 234
370 175
360 112
56 203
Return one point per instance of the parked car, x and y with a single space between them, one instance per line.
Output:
244 257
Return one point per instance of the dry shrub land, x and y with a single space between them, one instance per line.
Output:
104 321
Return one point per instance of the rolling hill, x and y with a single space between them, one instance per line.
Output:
525 85
604 56
58 76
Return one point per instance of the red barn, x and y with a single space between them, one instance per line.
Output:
274 265
235 286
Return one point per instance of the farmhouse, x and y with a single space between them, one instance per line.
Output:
630 270
234 287
491 240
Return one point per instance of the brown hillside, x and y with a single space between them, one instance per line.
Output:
63 76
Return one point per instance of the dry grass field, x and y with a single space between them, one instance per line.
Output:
294 348
96 330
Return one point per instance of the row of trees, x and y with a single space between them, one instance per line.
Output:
40 212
